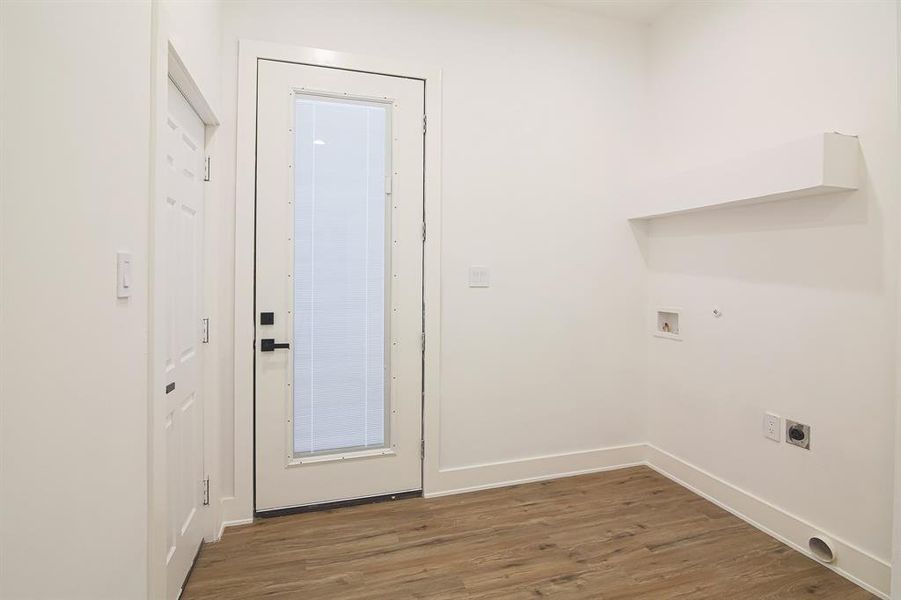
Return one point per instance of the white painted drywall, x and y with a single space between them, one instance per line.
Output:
195 29
540 130
807 286
896 537
73 377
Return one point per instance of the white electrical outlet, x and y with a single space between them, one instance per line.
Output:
772 427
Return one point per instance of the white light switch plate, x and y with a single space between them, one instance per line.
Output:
123 275
772 427
478 277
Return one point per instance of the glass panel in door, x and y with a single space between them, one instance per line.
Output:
341 256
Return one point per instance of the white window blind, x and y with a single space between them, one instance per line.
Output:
342 157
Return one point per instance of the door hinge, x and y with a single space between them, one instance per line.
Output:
206 491
205 330
421 448
206 169
423 231
423 341
424 124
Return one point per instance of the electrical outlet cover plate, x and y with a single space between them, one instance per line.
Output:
771 427
478 277
797 434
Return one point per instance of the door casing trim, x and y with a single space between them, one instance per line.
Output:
241 505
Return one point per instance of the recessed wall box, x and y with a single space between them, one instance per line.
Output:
667 324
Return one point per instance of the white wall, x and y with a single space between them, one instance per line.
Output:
549 360
195 29
73 376
896 537
808 287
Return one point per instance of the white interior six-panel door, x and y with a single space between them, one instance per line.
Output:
182 237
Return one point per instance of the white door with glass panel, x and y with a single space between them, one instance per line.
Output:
339 225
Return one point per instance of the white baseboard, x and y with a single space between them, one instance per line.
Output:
472 478
231 524
228 507
851 562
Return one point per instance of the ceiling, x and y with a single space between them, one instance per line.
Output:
639 11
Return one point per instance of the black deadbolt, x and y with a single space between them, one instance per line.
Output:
267 318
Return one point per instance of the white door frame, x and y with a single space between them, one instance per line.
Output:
241 507
167 63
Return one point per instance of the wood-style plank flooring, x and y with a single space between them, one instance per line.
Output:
621 534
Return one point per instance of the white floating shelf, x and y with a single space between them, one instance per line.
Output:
820 164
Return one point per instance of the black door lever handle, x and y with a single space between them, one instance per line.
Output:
268 345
